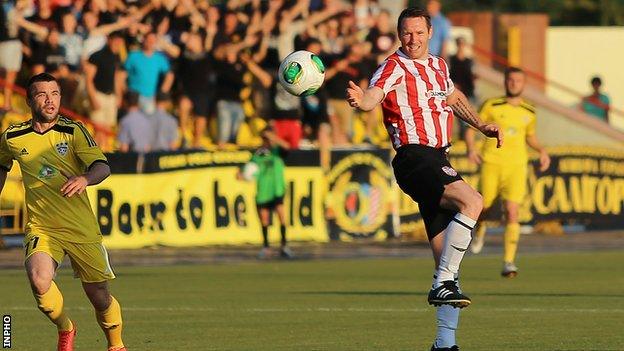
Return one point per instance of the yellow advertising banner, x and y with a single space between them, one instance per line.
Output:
203 206
190 199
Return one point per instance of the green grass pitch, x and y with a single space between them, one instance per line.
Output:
572 301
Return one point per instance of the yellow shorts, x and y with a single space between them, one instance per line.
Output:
509 181
89 260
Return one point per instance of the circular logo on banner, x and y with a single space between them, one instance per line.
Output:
449 170
359 198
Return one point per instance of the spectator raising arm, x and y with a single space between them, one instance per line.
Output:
167 82
90 72
123 22
288 16
212 20
106 29
38 30
314 19
263 76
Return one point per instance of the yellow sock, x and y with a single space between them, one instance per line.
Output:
512 236
110 321
51 304
480 232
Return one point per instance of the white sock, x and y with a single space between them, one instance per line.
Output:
447 318
457 237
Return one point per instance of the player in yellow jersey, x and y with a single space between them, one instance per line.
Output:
59 159
504 170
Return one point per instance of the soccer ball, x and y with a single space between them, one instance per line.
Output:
250 170
301 73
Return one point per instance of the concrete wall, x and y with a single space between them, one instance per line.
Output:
575 54
482 25
556 124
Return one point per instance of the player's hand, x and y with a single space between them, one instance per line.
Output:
73 185
544 161
474 157
354 95
493 131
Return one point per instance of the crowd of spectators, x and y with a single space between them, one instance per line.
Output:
210 64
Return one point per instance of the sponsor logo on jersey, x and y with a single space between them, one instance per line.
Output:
62 148
436 93
46 172
449 170
24 152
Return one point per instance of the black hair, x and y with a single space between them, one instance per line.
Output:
596 80
512 69
116 34
311 40
41 77
131 98
413 12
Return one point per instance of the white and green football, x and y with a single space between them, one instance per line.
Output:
301 73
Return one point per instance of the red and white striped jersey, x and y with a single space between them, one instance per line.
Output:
414 106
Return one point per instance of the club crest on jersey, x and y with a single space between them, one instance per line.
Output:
449 170
62 148
436 93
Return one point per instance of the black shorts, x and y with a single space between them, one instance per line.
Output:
422 172
201 104
271 205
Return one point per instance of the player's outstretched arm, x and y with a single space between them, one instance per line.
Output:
77 184
464 110
364 100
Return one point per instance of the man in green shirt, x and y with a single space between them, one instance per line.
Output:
271 187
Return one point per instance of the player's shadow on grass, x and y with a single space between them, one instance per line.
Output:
425 293
367 293
553 294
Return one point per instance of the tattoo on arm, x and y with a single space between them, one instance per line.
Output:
464 111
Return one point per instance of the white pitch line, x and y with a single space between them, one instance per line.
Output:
325 309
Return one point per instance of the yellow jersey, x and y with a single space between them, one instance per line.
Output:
44 158
517 122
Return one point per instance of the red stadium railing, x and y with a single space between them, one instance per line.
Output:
539 77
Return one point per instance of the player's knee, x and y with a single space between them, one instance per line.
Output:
511 215
98 294
472 205
101 303
40 281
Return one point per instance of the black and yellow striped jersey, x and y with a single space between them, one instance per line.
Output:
517 122
45 158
